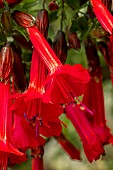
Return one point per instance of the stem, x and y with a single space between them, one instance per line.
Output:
43 5
62 15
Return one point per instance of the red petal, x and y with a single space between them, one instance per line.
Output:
26 137
73 152
51 129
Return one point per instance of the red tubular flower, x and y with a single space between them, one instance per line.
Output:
31 100
43 115
65 78
93 97
103 15
91 143
73 152
71 77
6 144
94 100
37 161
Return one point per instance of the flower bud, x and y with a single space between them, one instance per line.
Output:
60 46
6 20
11 3
93 60
73 40
42 22
21 40
53 6
6 61
18 70
23 19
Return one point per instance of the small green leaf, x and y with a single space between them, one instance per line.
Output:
74 26
74 4
27 57
53 16
83 24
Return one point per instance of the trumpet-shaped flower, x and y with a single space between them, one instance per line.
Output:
91 143
31 101
6 143
70 81
93 97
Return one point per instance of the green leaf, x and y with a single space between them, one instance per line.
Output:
53 16
86 33
74 4
27 57
83 24
74 26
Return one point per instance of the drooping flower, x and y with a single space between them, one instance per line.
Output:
69 148
34 110
103 15
91 143
63 78
6 143
93 97
60 46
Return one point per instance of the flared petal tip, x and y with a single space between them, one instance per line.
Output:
6 146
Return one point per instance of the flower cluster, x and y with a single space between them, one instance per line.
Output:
30 112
